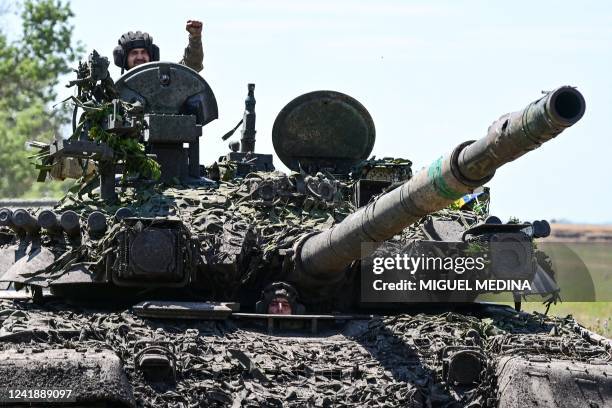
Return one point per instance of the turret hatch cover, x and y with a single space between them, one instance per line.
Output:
169 88
323 130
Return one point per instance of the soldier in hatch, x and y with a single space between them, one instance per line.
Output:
137 48
134 48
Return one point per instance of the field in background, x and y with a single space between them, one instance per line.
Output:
580 233
595 316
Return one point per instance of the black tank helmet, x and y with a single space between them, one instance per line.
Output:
131 40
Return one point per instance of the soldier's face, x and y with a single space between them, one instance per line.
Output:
279 306
137 56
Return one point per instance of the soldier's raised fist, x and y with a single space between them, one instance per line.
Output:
194 27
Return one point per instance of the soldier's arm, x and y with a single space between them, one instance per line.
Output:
194 54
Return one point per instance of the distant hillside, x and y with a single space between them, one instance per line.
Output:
580 232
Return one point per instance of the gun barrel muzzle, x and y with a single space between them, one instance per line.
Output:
515 134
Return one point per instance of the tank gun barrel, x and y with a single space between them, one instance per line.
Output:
322 257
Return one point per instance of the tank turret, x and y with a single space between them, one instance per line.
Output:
191 232
324 256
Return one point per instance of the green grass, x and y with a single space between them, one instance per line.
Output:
595 316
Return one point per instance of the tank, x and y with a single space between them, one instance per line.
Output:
233 284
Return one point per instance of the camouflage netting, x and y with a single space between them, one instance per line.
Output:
269 210
384 362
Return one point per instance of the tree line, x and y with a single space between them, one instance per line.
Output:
31 63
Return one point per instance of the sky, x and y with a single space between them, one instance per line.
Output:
432 75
